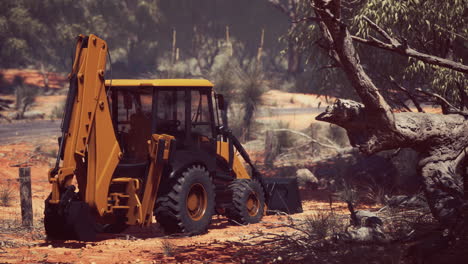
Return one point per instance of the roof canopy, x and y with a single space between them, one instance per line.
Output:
160 82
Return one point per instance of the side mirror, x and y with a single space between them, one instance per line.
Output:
221 102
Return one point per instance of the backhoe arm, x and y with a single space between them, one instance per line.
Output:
86 128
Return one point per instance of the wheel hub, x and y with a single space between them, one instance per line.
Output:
197 201
253 204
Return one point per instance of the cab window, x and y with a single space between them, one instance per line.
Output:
200 119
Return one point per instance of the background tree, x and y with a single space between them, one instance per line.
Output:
31 36
294 11
139 32
432 27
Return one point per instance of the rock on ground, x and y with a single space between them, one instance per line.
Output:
307 179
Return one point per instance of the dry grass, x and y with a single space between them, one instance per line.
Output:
57 111
168 248
6 195
375 192
316 239
322 224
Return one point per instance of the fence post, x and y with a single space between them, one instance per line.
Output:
26 196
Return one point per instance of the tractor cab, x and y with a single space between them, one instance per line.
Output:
184 109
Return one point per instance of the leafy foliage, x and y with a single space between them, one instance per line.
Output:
432 27
138 32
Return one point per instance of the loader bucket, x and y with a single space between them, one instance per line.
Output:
282 195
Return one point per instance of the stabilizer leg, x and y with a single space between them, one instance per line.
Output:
70 221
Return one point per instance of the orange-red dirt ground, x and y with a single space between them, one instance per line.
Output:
224 242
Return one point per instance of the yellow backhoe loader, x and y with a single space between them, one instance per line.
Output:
134 149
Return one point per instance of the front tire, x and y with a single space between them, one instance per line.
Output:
248 201
186 203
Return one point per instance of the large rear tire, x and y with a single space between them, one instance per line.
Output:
248 201
186 203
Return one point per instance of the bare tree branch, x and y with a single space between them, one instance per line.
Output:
330 144
314 19
280 6
404 106
329 40
330 66
381 31
447 108
340 41
410 95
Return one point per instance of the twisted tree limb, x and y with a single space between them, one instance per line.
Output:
409 94
447 108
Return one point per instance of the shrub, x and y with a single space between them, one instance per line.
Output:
168 248
25 96
57 112
253 87
6 195
322 224
375 192
348 193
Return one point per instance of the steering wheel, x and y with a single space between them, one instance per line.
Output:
174 123
170 125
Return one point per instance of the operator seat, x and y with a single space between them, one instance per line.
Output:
135 160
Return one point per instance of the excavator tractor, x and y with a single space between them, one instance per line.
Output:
132 149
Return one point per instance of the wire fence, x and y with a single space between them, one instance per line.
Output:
10 206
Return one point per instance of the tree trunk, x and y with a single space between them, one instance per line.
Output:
294 58
442 140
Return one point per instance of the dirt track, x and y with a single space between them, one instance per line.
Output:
224 243
28 131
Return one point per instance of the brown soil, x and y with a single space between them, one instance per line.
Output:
35 78
280 99
222 244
